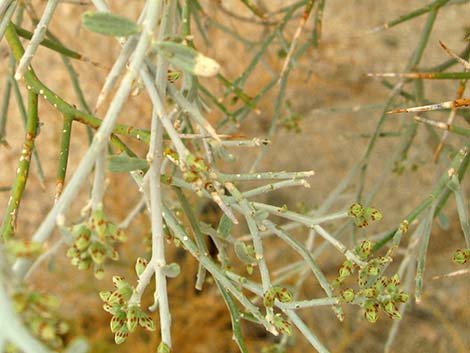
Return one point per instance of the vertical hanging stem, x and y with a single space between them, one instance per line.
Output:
63 156
7 229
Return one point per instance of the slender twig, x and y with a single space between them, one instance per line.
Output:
458 165
248 211
100 138
5 20
63 156
7 229
4 109
444 126
421 11
264 176
38 36
295 38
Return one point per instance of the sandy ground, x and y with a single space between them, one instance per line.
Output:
331 76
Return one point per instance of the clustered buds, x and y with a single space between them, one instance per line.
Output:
196 169
93 243
37 311
375 291
362 215
384 294
277 292
461 256
23 248
283 295
282 325
126 316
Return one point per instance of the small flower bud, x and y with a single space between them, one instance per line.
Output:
402 297
117 321
371 311
268 298
98 252
121 335
98 222
391 309
104 295
146 321
84 264
284 295
133 315
364 249
347 295
461 256
140 266
119 282
373 214
73 252
345 270
83 240
282 325
98 271
369 292
356 210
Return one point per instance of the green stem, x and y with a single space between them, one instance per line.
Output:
317 27
201 273
412 63
7 229
51 44
413 14
253 8
4 109
35 85
63 155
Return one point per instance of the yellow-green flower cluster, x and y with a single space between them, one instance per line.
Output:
375 291
126 316
94 243
37 311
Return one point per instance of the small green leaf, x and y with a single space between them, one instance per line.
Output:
225 226
171 270
140 266
108 24
123 163
245 252
188 59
